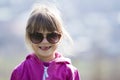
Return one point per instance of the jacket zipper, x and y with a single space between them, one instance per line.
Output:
45 74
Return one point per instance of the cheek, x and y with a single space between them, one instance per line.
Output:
35 47
54 47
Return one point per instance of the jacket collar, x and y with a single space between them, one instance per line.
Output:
58 58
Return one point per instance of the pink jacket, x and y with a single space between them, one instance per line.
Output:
33 69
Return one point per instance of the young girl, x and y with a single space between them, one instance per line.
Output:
44 32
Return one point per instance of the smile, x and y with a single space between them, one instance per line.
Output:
45 48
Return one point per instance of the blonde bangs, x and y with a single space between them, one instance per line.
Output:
40 22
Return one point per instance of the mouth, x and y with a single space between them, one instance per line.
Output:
45 48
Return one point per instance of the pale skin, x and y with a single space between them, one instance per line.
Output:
45 51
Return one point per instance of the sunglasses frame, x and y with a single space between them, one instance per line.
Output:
52 37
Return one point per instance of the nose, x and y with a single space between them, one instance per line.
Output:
44 39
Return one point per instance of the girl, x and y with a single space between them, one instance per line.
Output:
44 32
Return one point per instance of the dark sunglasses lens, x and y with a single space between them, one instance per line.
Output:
53 38
36 37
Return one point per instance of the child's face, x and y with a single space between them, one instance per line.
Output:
45 48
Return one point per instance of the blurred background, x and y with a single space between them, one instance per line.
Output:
93 24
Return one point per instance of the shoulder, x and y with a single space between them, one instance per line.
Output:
70 68
20 69
17 72
66 64
72 72
67 68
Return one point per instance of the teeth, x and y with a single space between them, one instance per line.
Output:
45 48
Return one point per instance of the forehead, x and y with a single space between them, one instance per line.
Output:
47 31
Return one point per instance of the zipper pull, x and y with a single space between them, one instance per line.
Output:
45 75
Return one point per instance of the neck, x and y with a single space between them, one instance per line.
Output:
46 58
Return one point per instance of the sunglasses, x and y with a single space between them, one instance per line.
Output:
38 37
